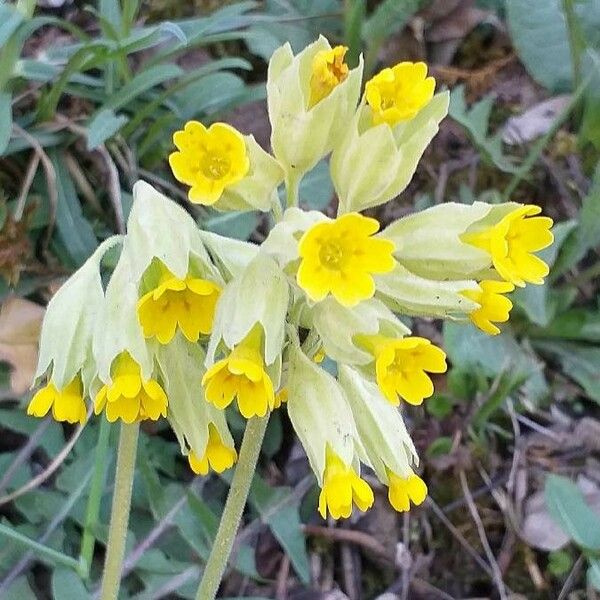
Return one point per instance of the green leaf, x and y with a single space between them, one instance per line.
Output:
233 224
576 324
439 406
566 505
439 447
103 125
508 382
593 573
5 120
316 187
66 585
389 17
72 228
10 19
559 562
476 121
19 590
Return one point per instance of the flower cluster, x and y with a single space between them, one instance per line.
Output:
192 323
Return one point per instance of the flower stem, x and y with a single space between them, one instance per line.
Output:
93 504
119 518
234 507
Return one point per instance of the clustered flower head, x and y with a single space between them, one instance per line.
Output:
193 325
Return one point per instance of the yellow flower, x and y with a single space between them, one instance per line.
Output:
241 375
399 93
494 307
217 455
328 71
188 303
339 257
129 397
401 366
208 160
281 397
67 404
512 242
404 490
342 487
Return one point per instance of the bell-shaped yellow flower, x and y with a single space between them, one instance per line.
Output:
67 404
208 160
402 367
511 243
341 488
399 93
217 456
129 397
241 375
328 71
493 306
188 304
404 490
340 257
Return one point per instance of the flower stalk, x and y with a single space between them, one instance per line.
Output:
121 504
234 507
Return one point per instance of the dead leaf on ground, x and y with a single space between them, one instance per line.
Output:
457 23
20 325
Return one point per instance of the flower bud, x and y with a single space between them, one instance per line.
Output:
312 97
372 164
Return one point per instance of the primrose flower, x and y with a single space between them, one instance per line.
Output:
402 366
218 456
341 488
399 93
404 490
511 243
339 257
129 396
241 375
67 403
188 304
208 160
328 71
493 306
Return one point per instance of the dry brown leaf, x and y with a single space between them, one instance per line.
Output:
20 325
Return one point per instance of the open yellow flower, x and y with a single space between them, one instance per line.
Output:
494 307
328 71
208 160
241 375
340 257
67 404
217 455
399 93
130 397
404 490
341 488
402 366
512 242
185 303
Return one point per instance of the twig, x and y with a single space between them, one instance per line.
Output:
282 577
50 469
349 535
406 565
566 588
24 453
497 575
29 175
84 186
349 571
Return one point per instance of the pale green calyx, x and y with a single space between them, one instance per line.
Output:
380 426
338 327
301 133
67 330
181 365
258 296
373 164
320 414
159 228
232 256
258 189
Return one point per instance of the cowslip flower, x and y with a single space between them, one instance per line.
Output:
402 366
397 94
339 257
493 306
129 396
208 160
218 456
342 487
404 490
328 71
67 403
188 304
511 243
241 375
